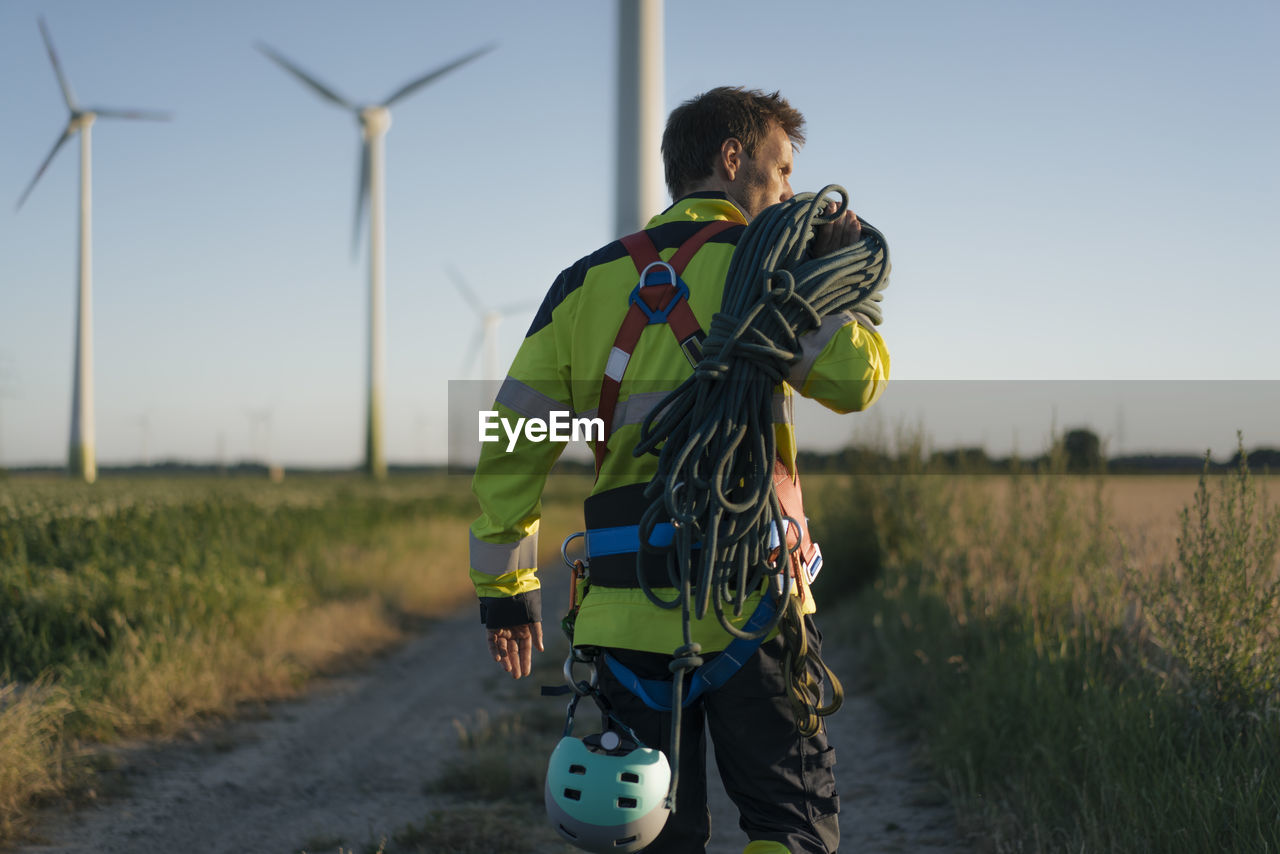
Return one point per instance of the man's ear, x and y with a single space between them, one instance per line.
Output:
730 160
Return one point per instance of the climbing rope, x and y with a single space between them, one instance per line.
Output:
799 665
714 434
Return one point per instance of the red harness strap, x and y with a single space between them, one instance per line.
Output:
662 302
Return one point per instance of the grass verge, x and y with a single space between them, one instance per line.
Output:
1070 700
139 607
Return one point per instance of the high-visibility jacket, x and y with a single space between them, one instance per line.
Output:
844 366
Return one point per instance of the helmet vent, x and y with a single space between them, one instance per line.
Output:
573 794
629 777
627 803
567 832
626 840
577 769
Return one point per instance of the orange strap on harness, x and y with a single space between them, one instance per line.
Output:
661 296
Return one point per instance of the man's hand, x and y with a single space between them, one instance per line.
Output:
513 648
843 232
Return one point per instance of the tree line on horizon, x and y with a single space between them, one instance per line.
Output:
1077 451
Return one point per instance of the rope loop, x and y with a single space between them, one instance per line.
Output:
780 294
803 672
687 657
820 216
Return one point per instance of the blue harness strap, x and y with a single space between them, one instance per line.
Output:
656 693
625 538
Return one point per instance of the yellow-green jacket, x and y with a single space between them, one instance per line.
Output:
558 368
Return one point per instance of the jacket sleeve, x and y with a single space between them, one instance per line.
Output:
844 364
508 483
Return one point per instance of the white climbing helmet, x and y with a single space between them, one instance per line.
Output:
604 794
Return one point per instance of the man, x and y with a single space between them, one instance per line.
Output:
727 156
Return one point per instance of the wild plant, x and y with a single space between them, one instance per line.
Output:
1215 613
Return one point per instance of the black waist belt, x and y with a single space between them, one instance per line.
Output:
609 516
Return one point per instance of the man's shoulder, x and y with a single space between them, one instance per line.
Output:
572 278
665 236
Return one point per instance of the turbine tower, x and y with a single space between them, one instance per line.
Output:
486 337
639 191
374 121
83 460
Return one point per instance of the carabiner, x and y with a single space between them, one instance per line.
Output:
564 547
582 689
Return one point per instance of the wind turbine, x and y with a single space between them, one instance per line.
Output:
374 121
486 335
639 187
83 461
5 392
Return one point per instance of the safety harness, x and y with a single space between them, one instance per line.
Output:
661 296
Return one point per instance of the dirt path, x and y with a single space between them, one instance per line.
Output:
347 764
887 803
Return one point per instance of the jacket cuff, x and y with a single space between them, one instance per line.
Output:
508 612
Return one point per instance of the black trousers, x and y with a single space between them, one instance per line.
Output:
781 782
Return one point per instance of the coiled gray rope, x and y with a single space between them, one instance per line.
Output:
714 434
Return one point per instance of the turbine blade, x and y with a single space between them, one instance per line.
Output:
148 115
323 90
57 67
469 361
414 85
66 134
467 294
516 307
362 196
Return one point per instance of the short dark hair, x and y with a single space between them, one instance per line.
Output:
697 128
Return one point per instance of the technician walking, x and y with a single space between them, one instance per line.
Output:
728 157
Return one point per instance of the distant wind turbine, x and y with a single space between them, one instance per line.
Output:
374 121
259 427
639 186
486 335
5 392
83 461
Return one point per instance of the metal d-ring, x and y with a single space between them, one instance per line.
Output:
593 680
564 547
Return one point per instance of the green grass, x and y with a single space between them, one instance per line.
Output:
503 757
1216 614
136 606
1069 702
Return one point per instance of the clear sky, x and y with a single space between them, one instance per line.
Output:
1079 191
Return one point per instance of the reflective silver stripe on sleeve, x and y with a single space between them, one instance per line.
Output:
783 408
526 400
500 558
812 344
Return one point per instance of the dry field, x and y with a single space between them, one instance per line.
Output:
1142 511
1089 673
1145 510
